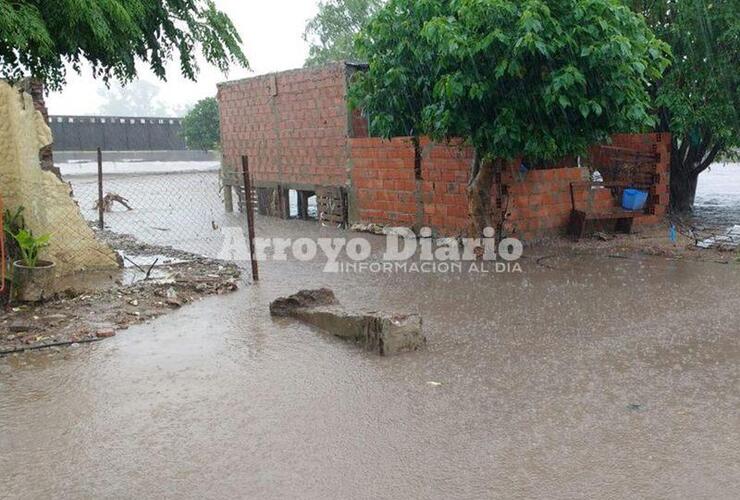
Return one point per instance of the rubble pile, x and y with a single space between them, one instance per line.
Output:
84 315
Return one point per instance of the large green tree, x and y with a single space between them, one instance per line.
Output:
200 126
41 38
331 32
697 100
542 79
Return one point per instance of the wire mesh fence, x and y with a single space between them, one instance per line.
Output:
175 204
147 207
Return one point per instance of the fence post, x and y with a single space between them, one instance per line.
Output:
249 207
101 222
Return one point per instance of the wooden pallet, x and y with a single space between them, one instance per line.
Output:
332 205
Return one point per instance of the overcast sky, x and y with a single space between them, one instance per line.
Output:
270 29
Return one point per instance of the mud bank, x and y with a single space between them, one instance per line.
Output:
92 306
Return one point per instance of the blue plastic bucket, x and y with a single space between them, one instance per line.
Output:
634 199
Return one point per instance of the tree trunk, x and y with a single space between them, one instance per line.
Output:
683 188
687 162
479 195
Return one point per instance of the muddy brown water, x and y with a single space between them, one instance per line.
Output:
599 378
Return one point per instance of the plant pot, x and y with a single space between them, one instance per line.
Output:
32 284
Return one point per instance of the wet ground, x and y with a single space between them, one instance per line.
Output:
593 377
88 306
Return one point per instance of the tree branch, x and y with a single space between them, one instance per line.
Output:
474 167
708 160
682 150
701 151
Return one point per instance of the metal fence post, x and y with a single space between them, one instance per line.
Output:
249 207
101 222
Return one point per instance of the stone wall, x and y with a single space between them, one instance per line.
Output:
36 89
49 208
116 133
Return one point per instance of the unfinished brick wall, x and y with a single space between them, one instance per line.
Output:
293 126
538 204
383 181
659 144
298 133
387 190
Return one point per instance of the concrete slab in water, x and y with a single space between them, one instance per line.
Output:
380 332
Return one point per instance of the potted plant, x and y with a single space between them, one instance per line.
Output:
32 278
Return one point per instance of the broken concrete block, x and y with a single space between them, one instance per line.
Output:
19 326
105 333
283 306
380 332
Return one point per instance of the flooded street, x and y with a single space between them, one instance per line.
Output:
718 195
589 378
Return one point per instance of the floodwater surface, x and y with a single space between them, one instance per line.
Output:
588 378
718 195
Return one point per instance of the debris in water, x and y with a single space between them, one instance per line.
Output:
368 228
172 299
111 198
730 241
380 332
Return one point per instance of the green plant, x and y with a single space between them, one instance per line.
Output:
116 38
330 34
697 100
200 127
538 79
30 246
13 222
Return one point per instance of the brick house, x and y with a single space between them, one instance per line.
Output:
297 131
294 127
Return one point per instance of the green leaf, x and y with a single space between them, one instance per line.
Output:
501 68
509 94
200 127
116 38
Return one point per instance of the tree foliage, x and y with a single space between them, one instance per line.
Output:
532 78
402 67
542 79
697 100
200 126
41 37
331 32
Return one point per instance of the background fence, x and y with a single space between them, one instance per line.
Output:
114 133
172 209
172 204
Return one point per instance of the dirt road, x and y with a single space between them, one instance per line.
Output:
589 378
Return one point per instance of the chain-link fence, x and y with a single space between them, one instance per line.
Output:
172 204
175 209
